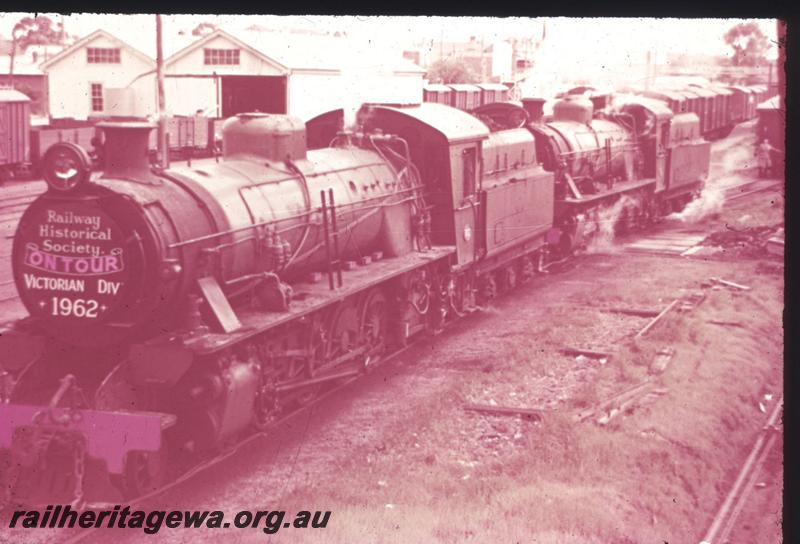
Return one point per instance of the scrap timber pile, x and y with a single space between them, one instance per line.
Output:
757 241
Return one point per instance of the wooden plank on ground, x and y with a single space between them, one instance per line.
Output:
526 413
592 354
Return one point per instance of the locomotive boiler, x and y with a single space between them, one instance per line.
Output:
119 256
587 149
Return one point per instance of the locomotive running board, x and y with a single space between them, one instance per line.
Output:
313 296
619 188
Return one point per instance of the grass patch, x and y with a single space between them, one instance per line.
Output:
652 475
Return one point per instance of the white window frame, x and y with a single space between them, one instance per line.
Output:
215 56
103 55
92 97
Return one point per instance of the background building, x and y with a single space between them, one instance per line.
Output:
28 76
487 59
302 75
222 74
79 77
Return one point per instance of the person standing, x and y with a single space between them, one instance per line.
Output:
763 155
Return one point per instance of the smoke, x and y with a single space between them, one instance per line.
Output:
601 225
350 117
723 171
730 157
710 202
356 116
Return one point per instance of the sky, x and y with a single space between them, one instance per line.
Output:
574 44
689 35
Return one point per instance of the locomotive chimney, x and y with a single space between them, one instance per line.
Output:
125 150
534 107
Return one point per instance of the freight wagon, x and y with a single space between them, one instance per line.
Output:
15 115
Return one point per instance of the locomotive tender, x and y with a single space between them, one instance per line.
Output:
172 310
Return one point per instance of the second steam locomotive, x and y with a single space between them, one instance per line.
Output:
174 310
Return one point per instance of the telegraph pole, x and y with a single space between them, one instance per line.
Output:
163 151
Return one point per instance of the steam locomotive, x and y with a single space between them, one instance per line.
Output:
175 310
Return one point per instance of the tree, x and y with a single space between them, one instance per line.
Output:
748 42
451 70
203 29
33 31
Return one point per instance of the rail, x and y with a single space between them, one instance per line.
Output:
725 520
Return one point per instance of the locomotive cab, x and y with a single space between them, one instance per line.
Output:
488 191
445 145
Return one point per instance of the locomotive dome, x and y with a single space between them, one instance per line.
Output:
263 135
573 108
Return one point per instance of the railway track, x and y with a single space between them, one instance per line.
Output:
746 189
684 242
725 520
27 188
13 202
12 208
7 290
16 200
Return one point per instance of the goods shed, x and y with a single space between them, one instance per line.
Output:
226 73
79 77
